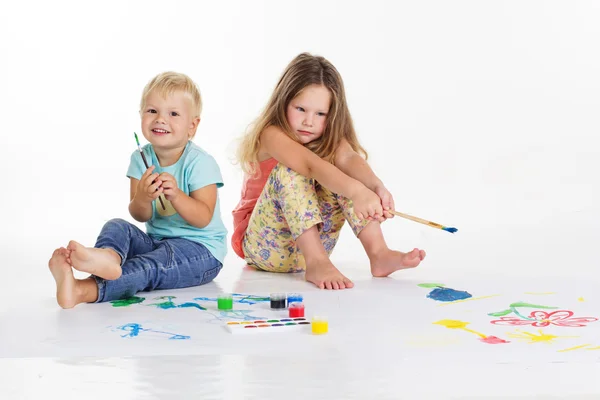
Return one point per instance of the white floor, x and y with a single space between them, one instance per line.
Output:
382 342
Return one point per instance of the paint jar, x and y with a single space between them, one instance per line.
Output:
320 326
294 298
225 302
277 301
296 309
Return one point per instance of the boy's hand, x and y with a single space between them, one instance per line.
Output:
387 201
148 188
169 186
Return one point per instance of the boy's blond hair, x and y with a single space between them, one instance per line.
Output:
168 82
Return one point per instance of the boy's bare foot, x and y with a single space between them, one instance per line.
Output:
104 263
325 276
65 281
388 261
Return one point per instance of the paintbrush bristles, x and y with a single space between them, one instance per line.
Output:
425 222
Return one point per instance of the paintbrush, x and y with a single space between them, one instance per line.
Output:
423 221
146 164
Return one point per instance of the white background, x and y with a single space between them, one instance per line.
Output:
481 115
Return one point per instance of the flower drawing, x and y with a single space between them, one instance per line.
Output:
540 319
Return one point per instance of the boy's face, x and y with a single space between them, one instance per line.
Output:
307 112
168 123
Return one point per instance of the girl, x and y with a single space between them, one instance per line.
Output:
305 174
185 243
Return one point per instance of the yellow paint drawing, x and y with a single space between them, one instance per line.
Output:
454 324
462 325
573 348
535 338
469 299
580 347
540 293
581 299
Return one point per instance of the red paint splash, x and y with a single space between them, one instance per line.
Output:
493 340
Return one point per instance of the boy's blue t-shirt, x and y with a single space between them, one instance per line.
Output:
195 169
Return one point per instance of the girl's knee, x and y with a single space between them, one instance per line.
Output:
284 173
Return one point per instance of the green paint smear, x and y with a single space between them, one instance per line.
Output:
256 298
127 302
165 305
500 313
520 304
431 285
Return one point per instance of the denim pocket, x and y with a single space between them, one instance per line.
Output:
171 262
211 274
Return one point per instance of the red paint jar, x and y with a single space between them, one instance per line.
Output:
296 310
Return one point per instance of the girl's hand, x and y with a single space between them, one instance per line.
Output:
169 186
387 201
367 205
148 188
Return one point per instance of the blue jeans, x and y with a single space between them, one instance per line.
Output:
150 264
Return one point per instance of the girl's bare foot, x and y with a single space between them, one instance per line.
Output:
388 261
104 263
65 281
326 276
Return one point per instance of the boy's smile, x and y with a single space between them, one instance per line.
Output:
160 132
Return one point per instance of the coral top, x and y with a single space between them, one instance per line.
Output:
251 190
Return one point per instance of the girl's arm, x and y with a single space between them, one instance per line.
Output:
352 164
297 157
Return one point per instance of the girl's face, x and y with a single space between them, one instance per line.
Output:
307 112
168 123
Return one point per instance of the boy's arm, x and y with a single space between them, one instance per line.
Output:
196 209
140 211
352 164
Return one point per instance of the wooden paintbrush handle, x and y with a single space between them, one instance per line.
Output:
417 219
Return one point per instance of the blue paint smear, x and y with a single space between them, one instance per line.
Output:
448 294
190 304
245 298
243 315
135 329
169 304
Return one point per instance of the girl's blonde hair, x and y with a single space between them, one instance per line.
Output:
167 83
302 71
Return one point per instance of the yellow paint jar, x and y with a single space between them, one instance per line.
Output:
320 325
